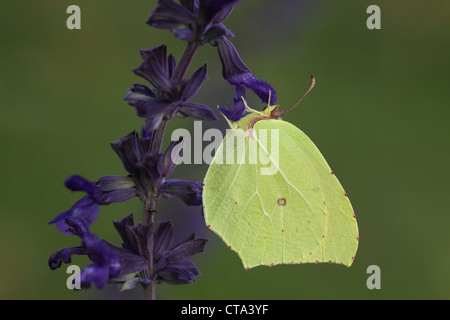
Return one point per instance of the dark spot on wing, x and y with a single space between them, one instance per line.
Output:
282 202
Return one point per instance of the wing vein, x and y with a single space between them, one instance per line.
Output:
282 174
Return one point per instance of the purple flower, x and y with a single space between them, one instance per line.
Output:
116 188
107 190
149 171
188 191
193 20
239 75
109 261
172 153
144 168
168 98
130 150
201 21
215 11
171 264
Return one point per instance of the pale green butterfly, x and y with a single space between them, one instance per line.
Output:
280 206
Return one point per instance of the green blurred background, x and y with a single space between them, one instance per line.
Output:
379 114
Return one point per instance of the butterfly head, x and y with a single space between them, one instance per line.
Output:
270 112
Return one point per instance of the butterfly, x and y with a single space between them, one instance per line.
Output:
270 195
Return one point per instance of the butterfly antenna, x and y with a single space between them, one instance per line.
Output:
313 82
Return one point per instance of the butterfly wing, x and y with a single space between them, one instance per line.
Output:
284 207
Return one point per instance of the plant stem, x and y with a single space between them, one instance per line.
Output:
155 148
149 212
185 60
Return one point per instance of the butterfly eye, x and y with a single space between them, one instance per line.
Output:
276 113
